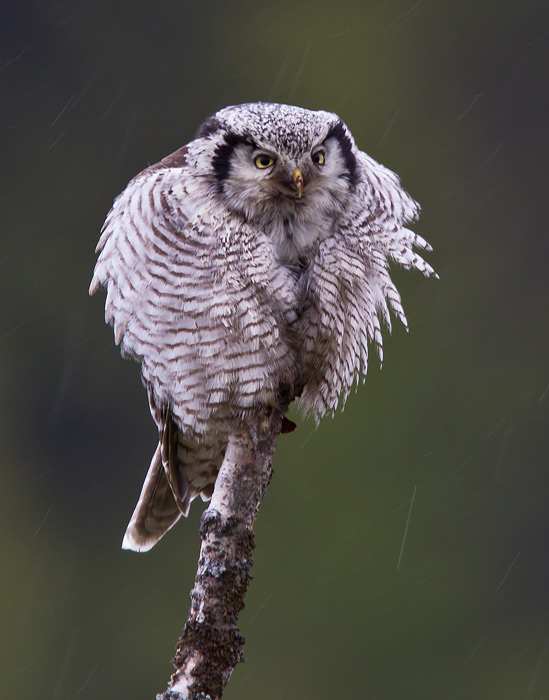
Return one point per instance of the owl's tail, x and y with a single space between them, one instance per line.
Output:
156 511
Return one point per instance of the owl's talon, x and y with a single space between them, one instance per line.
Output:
288 426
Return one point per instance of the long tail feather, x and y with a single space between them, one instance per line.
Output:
156 511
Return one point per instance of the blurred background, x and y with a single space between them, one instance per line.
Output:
402 547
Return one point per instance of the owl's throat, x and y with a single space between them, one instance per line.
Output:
296 239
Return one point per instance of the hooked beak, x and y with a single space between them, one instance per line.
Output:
297 178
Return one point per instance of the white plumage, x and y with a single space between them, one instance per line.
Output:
253 259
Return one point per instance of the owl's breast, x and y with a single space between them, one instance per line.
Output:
297 239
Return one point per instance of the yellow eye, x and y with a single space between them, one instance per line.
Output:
318 158
263 161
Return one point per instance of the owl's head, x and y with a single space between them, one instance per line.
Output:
279 160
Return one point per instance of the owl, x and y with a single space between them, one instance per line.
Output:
254 258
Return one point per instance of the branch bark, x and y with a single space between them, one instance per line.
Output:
211 644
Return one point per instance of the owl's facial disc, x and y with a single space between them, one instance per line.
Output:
284 177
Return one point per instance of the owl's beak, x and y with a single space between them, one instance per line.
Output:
297 178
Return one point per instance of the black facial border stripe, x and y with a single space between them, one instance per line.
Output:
339 132
221 160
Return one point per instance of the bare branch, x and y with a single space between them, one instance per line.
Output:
211 644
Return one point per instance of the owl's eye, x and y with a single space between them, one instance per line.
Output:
263 161
319 158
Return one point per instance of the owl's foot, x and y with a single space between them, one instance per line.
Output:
288 426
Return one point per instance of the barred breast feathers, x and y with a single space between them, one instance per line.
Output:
349 289
196 297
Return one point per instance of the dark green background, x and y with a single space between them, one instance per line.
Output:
453 96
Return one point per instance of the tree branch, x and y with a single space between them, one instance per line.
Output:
211 644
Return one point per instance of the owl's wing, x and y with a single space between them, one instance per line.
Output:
198 299
350 289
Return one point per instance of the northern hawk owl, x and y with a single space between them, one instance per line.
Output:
252 258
